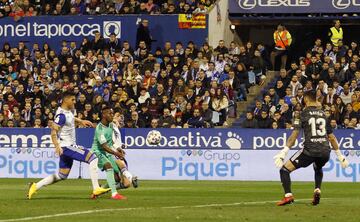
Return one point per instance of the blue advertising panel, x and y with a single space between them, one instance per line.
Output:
53 29
175 164
217 139
294 6
183 154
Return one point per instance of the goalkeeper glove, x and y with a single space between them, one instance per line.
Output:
279 158
343 162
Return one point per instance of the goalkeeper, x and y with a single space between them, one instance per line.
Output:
318 136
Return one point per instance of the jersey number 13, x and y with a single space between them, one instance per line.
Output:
318 126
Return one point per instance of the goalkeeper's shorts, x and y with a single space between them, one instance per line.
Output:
301 160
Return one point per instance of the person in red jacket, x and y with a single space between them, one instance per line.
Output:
17 12
12 102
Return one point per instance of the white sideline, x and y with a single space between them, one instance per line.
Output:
144 208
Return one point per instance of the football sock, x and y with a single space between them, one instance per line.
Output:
285 180
93 168
48 180
318 177
111 180
126 173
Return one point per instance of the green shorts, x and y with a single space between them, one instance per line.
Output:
107 158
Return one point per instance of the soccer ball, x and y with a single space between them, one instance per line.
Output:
153 137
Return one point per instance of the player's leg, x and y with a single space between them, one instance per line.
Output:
105 164
84 155
127 177
120 170
298 160
65 164
318 165
110 168
285 177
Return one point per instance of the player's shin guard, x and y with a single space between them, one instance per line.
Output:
111 180
48 180
285 180
93 170
318 177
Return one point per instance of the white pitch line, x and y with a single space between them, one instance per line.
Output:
245 203
143 208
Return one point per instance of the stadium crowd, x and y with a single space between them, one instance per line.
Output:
332 70
178 85
24 8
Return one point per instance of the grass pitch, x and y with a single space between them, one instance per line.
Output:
178 201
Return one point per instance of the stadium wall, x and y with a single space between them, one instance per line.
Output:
219 24
186 154
54 29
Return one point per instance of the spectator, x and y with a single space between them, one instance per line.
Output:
336 33
264 122
250 121
220 104
145 115
196 121
201 9
346 94
143 34
331 97
221 49
154 123
80 7
207 114
283 40
137 123
167 119
294 85
243 77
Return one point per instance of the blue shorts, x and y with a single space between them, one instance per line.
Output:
71 153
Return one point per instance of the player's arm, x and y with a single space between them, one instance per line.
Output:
54 132
105 146
59 121
279 158
107 149
117 141
82 122
292 139
335 145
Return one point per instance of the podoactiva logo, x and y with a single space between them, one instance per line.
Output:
60 30
190 140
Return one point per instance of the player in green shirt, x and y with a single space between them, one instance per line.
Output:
102 148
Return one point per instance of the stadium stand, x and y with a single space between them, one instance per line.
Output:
164 87
21 8
167 86
333 71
